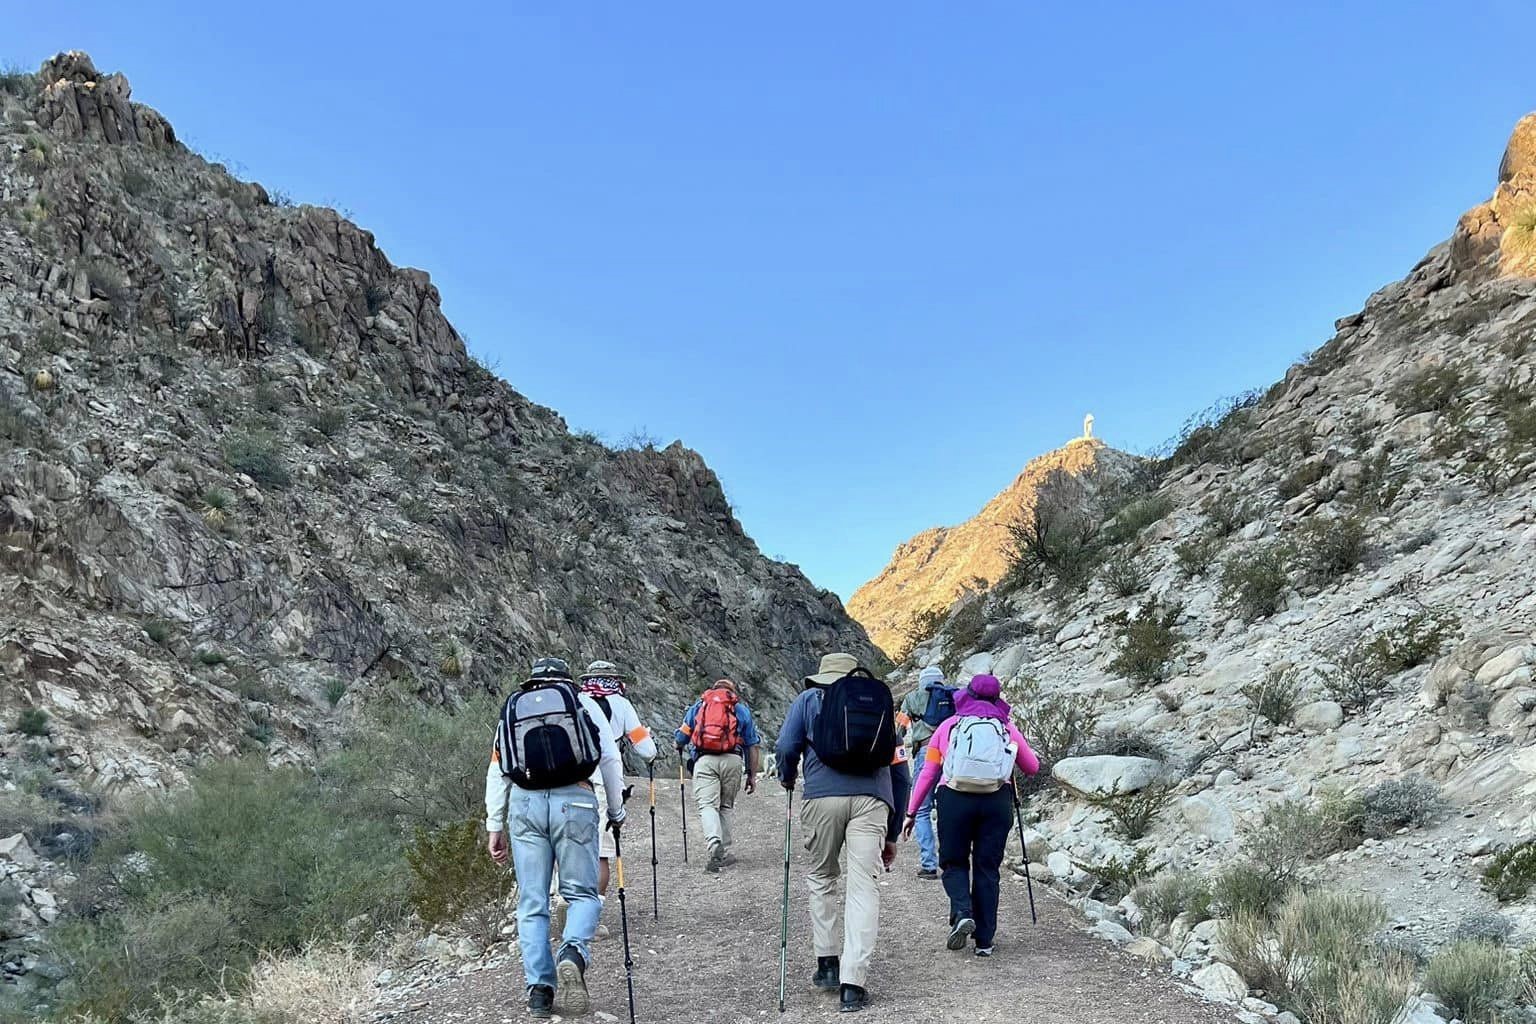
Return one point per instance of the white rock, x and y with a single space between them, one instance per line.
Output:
1103 774
1218 981
18 851
1320 716
1148 948
1113 932
1417 1011
1208 817
1059 864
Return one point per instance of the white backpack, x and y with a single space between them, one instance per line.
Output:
979 758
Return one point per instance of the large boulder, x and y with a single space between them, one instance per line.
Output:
1106 774
1320 716
1218 981
1209 817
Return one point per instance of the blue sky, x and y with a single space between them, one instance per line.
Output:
869 258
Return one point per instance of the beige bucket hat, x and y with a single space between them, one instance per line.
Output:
833 667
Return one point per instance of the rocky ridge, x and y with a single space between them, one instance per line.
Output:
935 568
251 476
1390 473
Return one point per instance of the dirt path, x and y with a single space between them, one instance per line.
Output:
713 957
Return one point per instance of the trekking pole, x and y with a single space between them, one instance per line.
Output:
682 800
789 817
629 963
1029 883
655 892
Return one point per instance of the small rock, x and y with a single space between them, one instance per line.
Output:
1218 981
1113 932
1320 716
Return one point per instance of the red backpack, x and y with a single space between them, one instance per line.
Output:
715 728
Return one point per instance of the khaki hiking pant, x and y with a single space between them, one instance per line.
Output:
858 823
716 781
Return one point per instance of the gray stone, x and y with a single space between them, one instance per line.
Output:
1101 775
1113 932
1209 817
1220 982
16 850
1320 716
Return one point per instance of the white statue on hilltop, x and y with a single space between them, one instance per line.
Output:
1088 427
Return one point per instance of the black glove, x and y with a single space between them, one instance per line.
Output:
628 791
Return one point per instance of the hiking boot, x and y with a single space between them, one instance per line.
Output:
716 859
852 999
928 873
541 1002
571 969
826 973
963 930
983 951
601 933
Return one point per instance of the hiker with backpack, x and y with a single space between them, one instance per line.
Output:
724 758
603 682
925 709
550 740
971 759
844 728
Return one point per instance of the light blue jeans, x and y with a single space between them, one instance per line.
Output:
927 841
549 827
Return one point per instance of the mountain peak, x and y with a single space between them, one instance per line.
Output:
934 568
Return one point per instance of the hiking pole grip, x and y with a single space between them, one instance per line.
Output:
789 818
1029 882
629 963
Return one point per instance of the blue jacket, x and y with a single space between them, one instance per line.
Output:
892 785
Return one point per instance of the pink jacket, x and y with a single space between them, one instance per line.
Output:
933 761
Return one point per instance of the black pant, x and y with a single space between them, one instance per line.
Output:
973 831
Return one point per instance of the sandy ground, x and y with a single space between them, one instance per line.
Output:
713 957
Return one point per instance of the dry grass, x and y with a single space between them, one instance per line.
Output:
322 985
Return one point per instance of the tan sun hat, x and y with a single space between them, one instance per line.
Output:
833 667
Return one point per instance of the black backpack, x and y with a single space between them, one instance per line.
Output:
546 739
941 705
855 733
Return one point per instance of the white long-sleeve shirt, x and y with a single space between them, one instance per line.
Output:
626 725
498 787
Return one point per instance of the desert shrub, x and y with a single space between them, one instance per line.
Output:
417 767
217 505
328 422
335 689
1123 575
453 881
1431 389
243 859
1478 980
1195 555
1123 744
211 656
1314 956
1511 873
1173 893
375 296
1136 515
410 558
919 629
267 398
1057 540
1147 643
159 631
451 658
1300 478
1379 484
1226 513
1132 815
1275 697
130 963
1215 433
1056 724
1399 803
1254 581
1001 634
256 454
1329 548
1117 877
16 82
33 722
1247 887
1354 677
1412 642
961 635
1484 927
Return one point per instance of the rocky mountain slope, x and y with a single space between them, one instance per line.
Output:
1334 588
934 568
250 474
